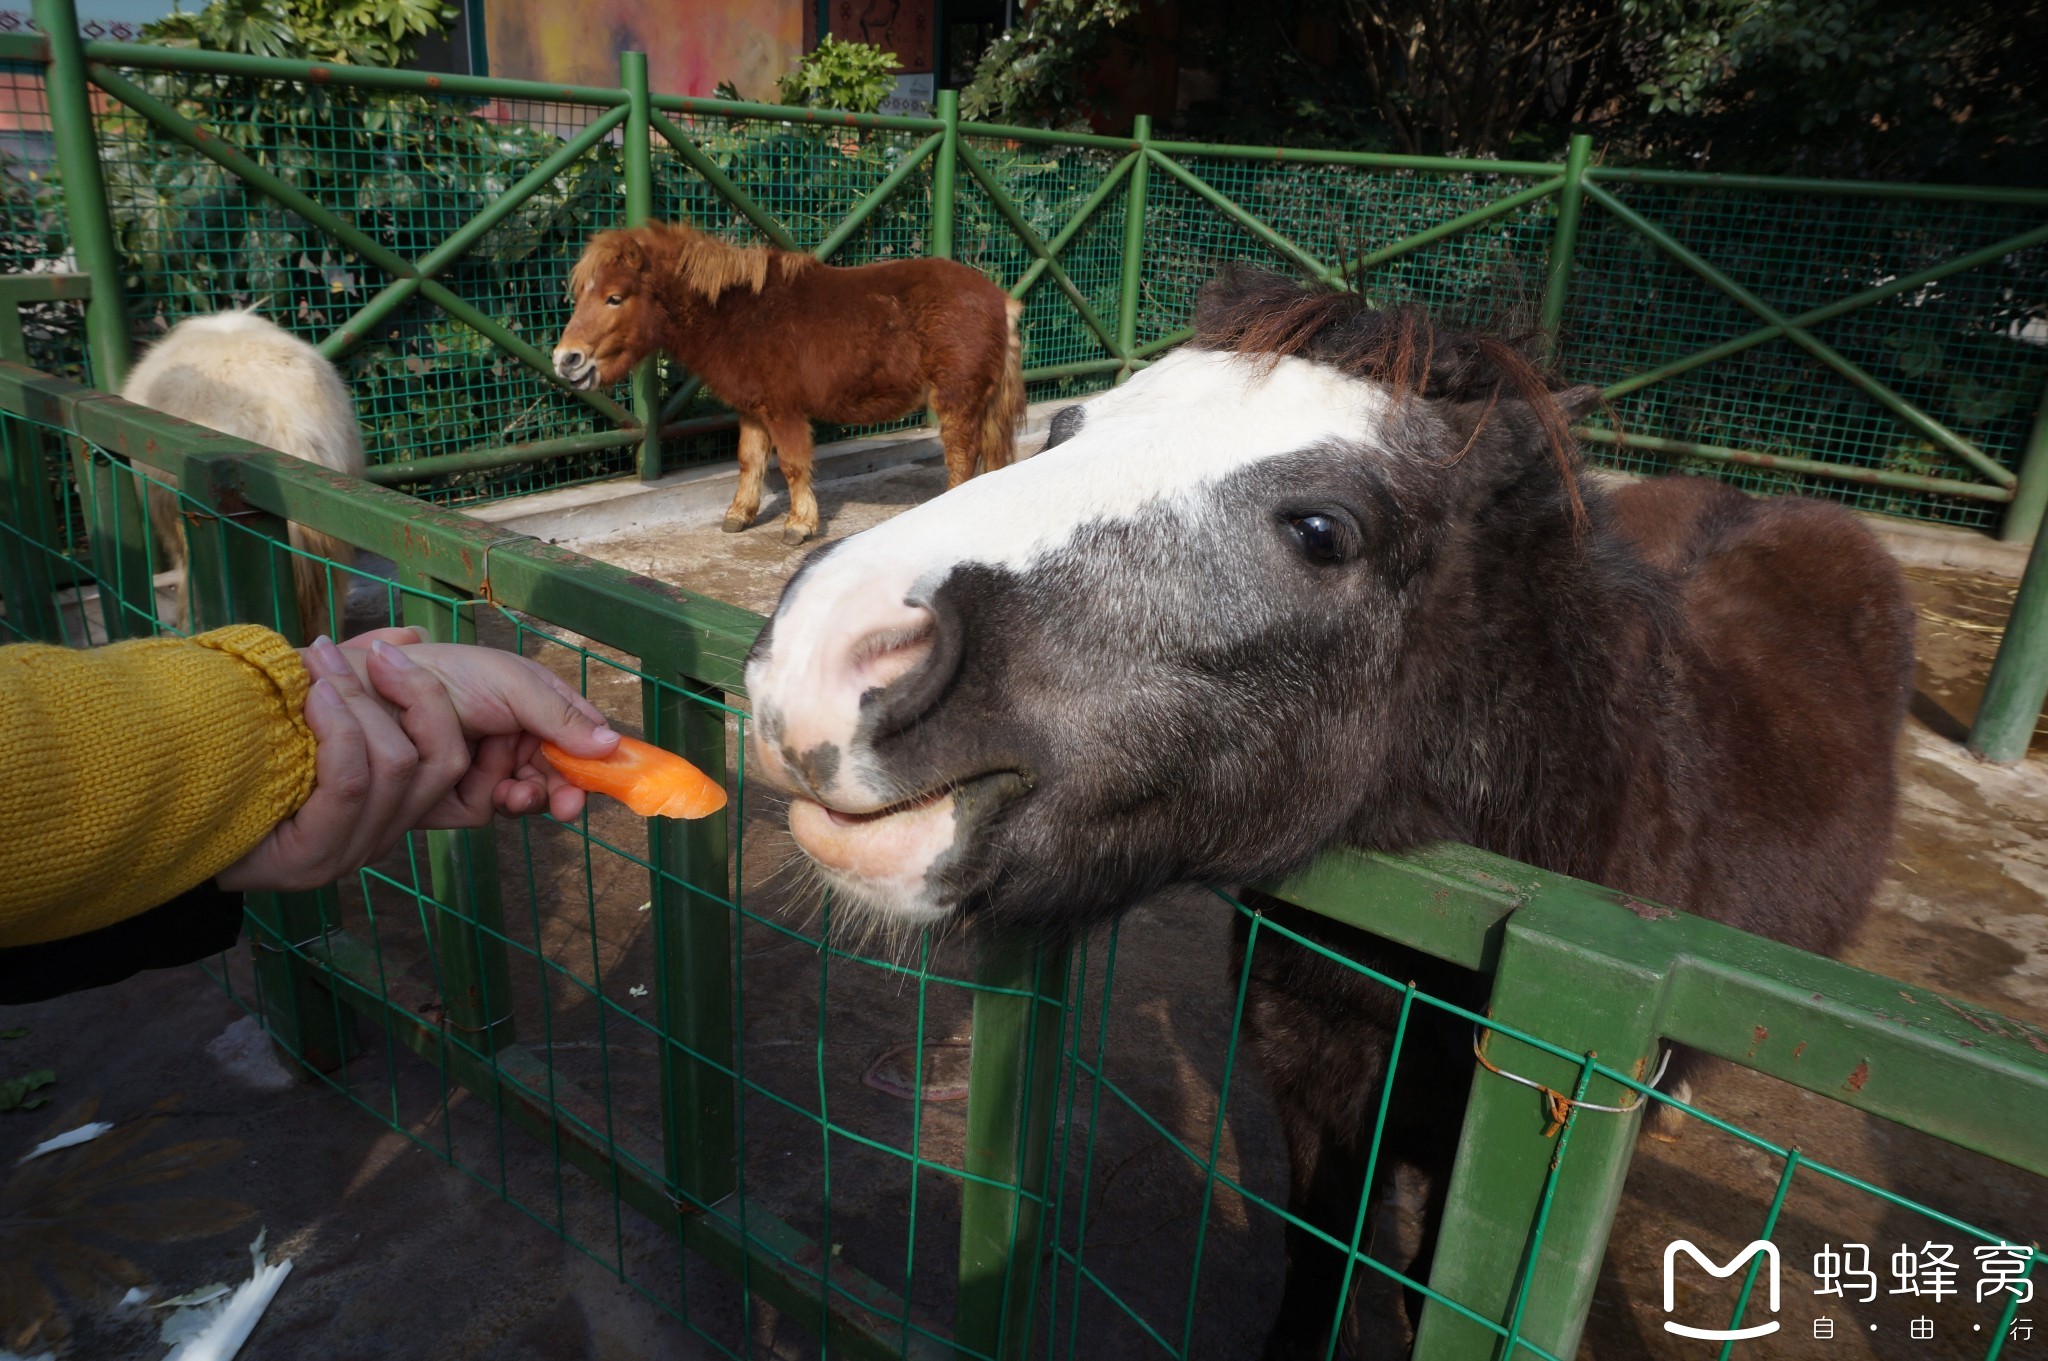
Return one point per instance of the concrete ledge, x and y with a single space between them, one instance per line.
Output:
699 496
1960 550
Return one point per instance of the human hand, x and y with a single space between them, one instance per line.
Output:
379 766
506 705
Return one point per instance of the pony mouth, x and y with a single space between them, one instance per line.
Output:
583 379
896 848
895 845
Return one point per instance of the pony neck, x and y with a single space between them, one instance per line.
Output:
1536 711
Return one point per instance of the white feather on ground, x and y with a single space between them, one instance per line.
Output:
215 1331
83 1134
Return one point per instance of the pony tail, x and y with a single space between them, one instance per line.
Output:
1006 404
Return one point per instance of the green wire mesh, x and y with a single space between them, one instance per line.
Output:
551 1008
409 170
1491 275
1049 184
1966 349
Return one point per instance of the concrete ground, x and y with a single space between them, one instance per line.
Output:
397 1255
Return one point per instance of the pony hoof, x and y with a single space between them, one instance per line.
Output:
735 523
793 536
1664 1123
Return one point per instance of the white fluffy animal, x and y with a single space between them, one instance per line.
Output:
244 376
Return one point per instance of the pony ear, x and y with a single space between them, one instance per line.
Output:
1507 419
1505 441
1577 401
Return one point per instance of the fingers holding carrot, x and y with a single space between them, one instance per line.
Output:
535 743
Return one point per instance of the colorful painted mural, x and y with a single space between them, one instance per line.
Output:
691 45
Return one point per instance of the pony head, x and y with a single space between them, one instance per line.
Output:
1194 640
617 321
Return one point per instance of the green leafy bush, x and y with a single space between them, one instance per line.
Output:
360 32
1035 71
856 77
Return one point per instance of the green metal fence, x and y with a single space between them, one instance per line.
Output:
1884 345
649 1036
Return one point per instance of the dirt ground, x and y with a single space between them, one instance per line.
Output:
399 1255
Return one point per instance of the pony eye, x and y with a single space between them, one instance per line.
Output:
1318 536
614 300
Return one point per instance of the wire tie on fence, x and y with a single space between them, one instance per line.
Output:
483 590
259 943
448 1024
1558 1105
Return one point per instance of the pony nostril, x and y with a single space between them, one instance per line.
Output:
568 361
902 672
885 656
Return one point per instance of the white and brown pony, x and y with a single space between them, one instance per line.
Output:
244 376
1327 575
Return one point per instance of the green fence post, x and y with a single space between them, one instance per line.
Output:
2030 494
468 915
2004 726
1134 248
241 572
114 522
77 150
690 892
118 535
1012 1096
639 169
28 532
1565 237
1524 1232
945 175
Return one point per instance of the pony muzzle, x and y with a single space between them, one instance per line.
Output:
576 368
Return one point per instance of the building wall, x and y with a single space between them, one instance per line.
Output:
908 28
691 45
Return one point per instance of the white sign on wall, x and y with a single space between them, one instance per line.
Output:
912 96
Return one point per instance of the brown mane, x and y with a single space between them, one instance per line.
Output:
706 265
1254 312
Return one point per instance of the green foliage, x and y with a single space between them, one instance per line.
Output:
1890 88
359 32
1863 87
1692 50
25 1093
855 77
1036 71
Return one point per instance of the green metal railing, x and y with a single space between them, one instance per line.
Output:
1875 343
487 960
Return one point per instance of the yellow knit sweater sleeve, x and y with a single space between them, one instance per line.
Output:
131 773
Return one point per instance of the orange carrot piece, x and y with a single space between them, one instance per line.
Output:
648 780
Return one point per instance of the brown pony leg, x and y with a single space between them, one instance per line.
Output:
792 436
960 434
746 497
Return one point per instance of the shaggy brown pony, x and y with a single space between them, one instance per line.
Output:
785 340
